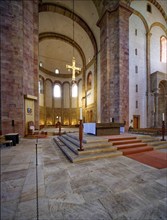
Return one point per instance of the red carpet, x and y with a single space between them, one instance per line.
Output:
153 158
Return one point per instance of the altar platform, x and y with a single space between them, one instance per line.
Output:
100 129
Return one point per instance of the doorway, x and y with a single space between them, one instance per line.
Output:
136 121
29 113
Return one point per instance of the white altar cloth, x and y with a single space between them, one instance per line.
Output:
89 128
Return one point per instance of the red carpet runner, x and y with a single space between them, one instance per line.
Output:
153 158
135 149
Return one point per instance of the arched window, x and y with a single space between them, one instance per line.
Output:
89 81
40 83
149 8
57 91
56 71
163 48
74 90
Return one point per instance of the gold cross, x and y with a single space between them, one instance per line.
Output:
74 68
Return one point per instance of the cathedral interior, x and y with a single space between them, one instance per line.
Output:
68 62
106 57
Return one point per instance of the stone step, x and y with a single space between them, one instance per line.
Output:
75 137
149 140
121 138
83 158
97 145
158 143
90 153
89 148
66 151
68 139
88 138
71 146
136 150
131 141
163 146
135 145
98 150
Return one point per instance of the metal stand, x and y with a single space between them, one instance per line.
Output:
80 135
59 124
37 178
163 131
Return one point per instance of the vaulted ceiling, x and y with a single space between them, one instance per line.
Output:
67 29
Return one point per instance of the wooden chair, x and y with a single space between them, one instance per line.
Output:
31 127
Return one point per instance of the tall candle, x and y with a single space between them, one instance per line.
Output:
163 117
59 119
80 113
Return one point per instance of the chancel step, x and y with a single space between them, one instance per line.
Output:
82 158
134 145
136 150
104 147
93 150
126 141
97 150
130 145
155 142
122 138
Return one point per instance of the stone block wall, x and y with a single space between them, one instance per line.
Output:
19 61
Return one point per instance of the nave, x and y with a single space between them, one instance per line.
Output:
109 188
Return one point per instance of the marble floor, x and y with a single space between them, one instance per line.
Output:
106 189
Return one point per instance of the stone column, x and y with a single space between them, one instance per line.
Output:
156 109
148 92
114 44
45 102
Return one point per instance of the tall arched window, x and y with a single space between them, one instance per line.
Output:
57 91
89 81
149 8
163 48
74 90
41 86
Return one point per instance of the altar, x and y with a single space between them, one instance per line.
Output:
100 129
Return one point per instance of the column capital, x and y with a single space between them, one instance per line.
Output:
148 34
111 6
156 91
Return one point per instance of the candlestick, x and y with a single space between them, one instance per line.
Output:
59 125
80 136
163 131
80 113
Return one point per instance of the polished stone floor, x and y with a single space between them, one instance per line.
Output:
106 189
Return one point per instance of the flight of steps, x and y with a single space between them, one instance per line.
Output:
139 144
155 142
130 145
93 150
105 148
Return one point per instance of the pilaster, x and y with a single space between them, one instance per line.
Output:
148 92
114 40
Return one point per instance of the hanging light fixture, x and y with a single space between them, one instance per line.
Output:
73 67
